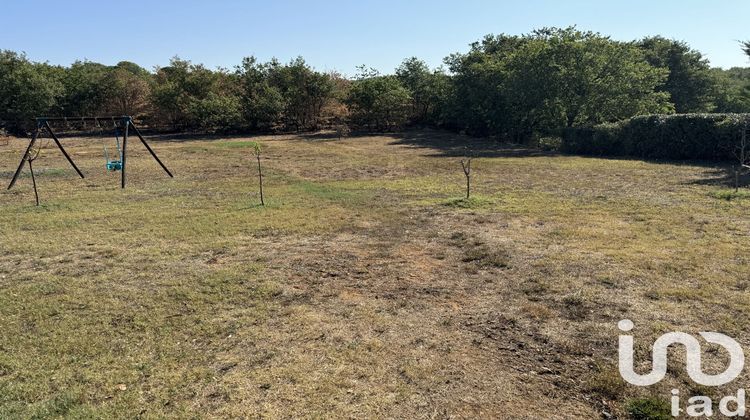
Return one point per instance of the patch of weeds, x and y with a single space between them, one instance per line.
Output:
609 282
195 149
607 382
682 294
652 294
650 408
729 324
238 144
45 172
575 306
475 202
58 406
573 346
325 192
730 195
698 389
537 311
5 369
458 238
487 257
535 289
741 285
480 253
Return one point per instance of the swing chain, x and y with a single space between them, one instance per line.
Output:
112 165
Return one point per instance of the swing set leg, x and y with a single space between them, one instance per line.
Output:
23 158
33 181
138 133
122 158
129 123
59 146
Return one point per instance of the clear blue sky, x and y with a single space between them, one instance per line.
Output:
343 34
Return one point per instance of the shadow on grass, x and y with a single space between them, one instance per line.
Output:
332 135
322 136
257 206
722 175
447 144
185 137
455 145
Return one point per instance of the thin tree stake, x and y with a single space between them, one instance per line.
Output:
466 166
260 179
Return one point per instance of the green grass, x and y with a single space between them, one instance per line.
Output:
237 144
327 191
366 287
730 195
473 202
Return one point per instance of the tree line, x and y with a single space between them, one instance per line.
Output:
513 87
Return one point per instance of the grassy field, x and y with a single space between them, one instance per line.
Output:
365 287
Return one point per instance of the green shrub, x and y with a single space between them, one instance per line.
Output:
550 143
678 137
649 409
475 202
606 382
215 112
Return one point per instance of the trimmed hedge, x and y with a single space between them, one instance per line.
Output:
678 137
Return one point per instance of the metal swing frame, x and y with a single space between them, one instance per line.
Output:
42 123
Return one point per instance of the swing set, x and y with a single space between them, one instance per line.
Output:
122 126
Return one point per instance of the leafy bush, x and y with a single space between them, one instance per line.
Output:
216 113
342 130
649 409
679 136
378 102
550 143
513 86
474 202
27 90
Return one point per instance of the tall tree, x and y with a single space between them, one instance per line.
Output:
732 89
379 102
26 90
476 101
85 85
191 96
304 92
428 89
583 78
550 79
127 89
689 82
334 110
262 104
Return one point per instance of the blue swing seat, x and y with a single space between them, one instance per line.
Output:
114 164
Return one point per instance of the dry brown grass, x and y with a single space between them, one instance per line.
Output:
361 290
